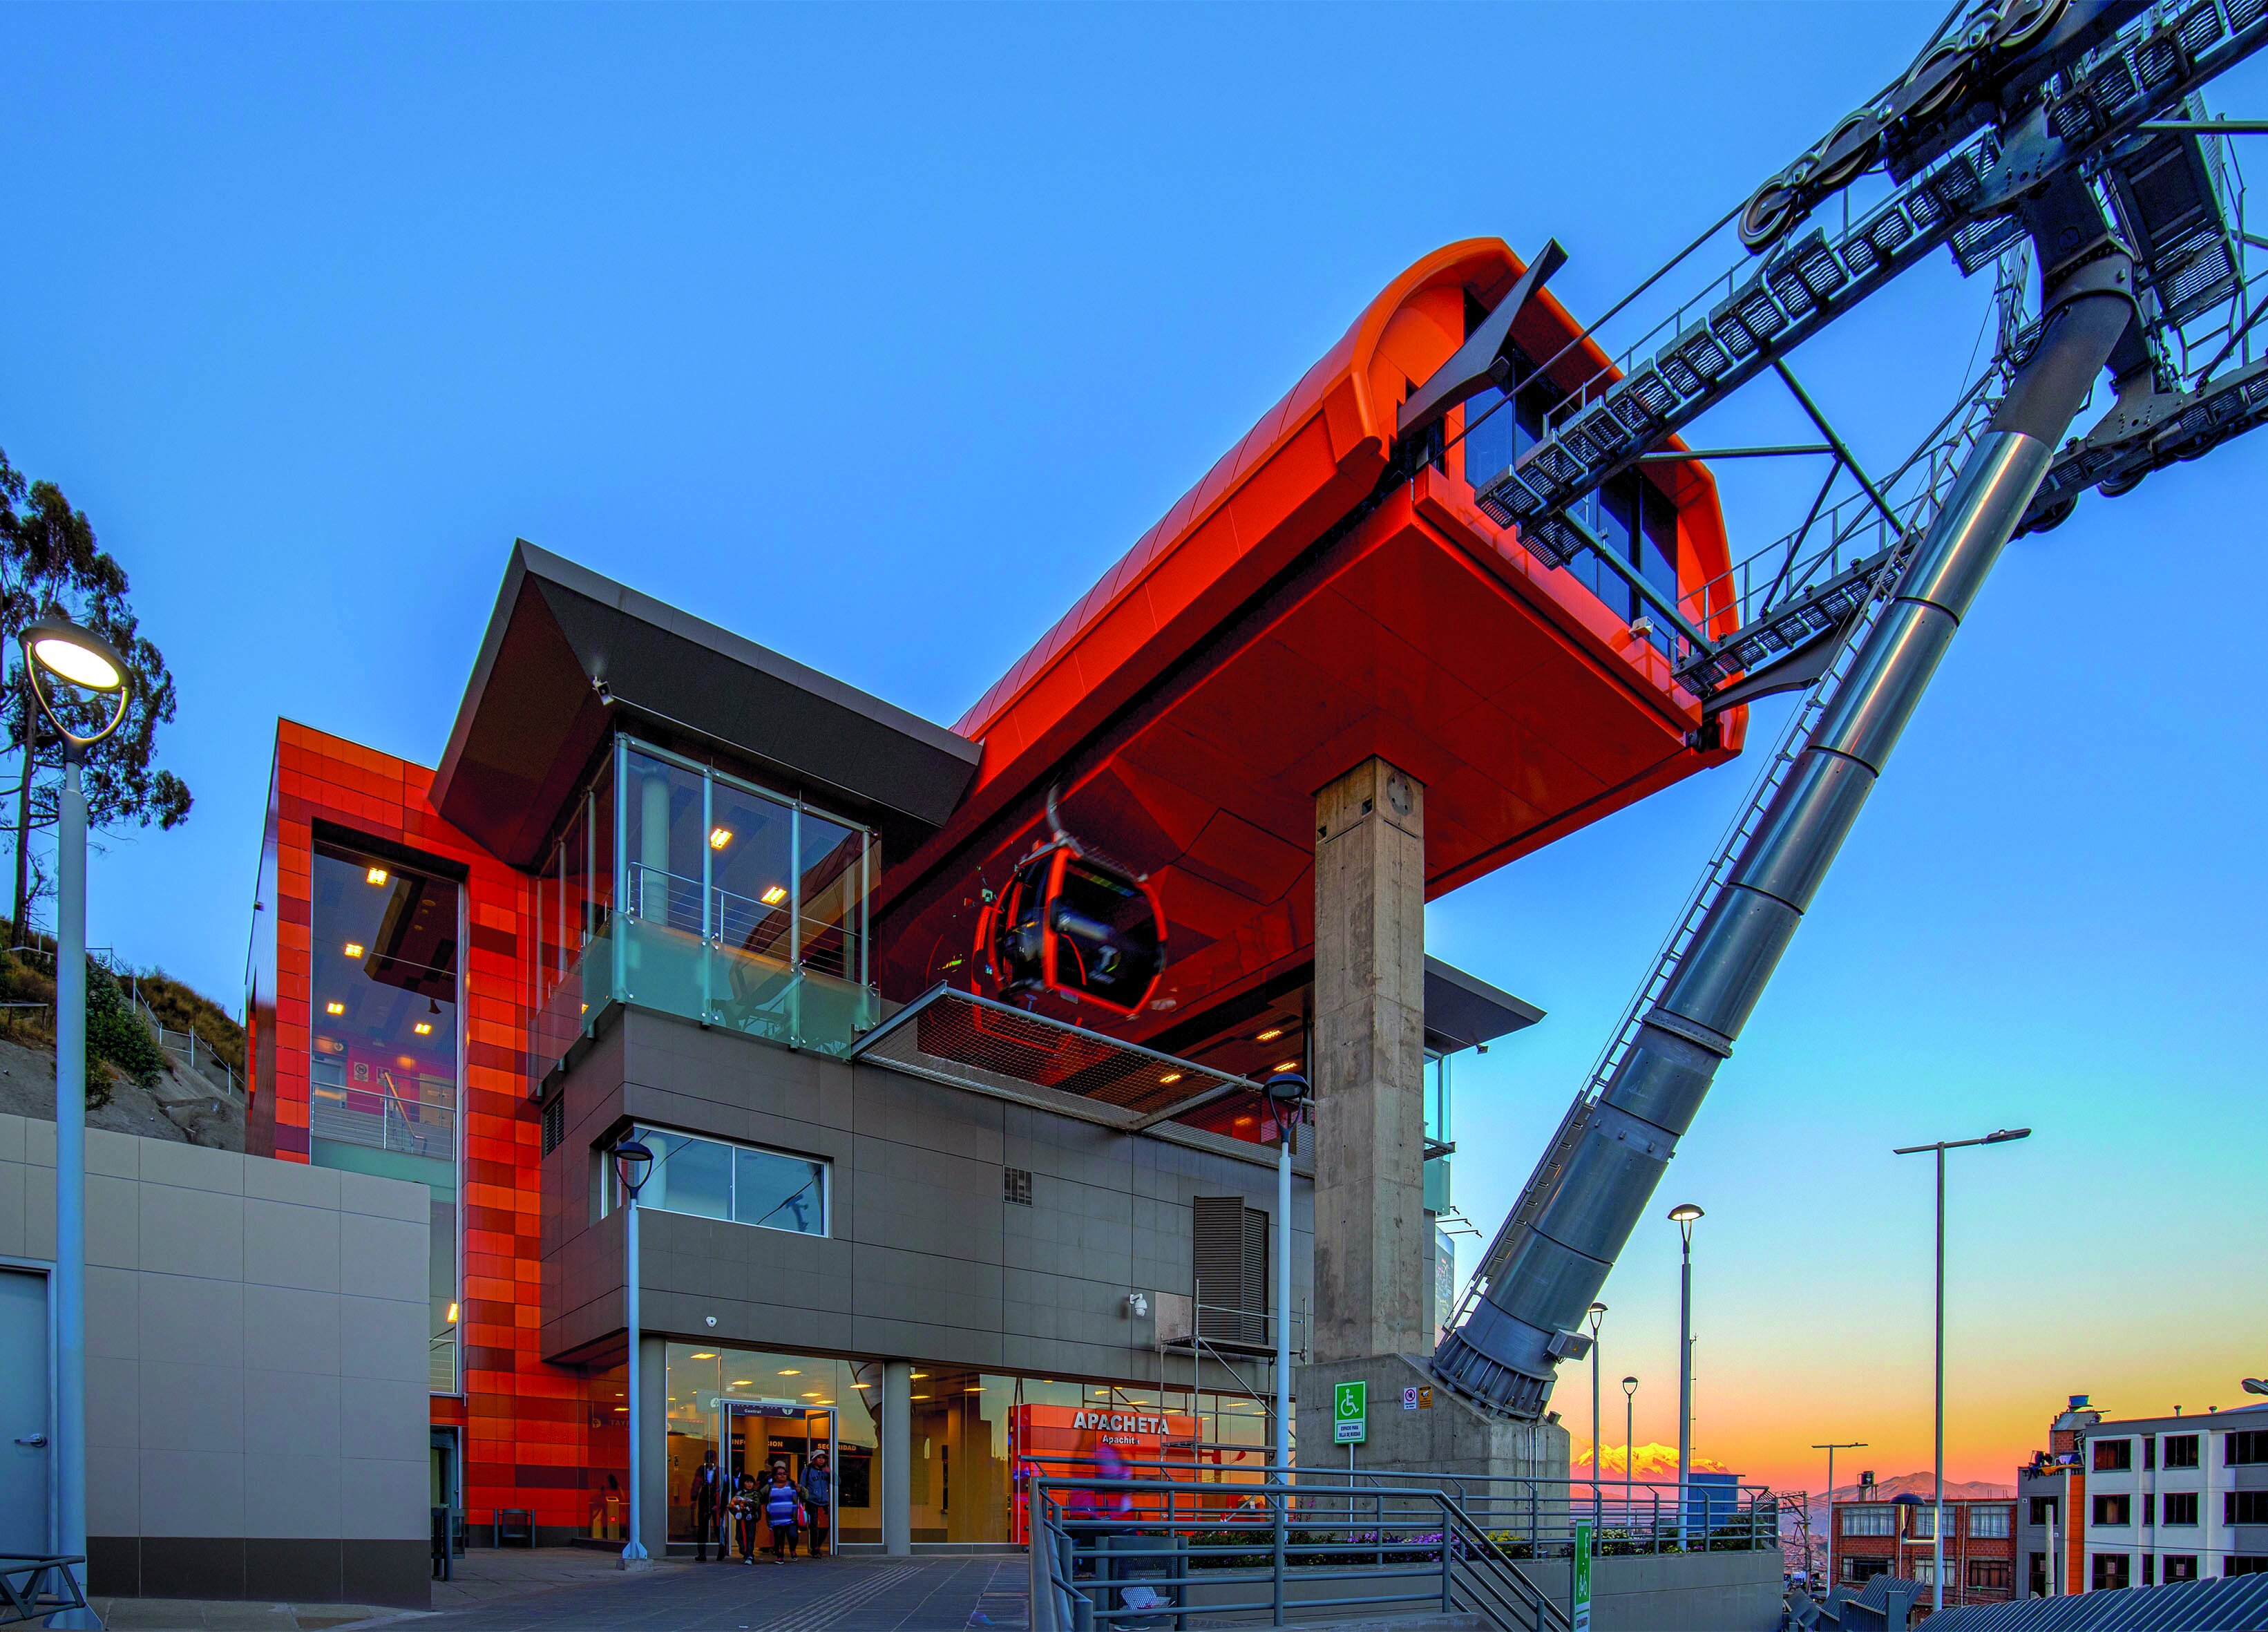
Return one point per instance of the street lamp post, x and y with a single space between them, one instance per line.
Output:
1848 1444
1286 1091
1598 1312
1683 1215
634 1164
1937 1524
56 649
1630 1415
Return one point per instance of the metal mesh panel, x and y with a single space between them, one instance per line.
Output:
975 1042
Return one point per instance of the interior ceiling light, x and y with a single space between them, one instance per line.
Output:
1272 1034
423 1027
792 1372
354 949
452 1316
744 1382
774 896
706 1354
1287 1064
921 1396
335 1008
862 1385
376 875
719 837
921 1374
1169 1078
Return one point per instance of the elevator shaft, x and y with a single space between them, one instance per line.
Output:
1529 1315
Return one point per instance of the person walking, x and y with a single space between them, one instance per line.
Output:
784 1512
746 1501
818 1485
709 1510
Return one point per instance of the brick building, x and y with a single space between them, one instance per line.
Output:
1897 1537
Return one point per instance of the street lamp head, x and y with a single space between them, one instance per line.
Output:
1285 1090
56 649
2256 1385
1629 1386
1683 1215
2004 1135
634 1163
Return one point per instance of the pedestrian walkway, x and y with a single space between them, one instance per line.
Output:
808 1595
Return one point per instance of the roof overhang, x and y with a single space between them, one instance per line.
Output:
569 654
1464 1011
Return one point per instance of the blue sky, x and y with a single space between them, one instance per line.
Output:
877 334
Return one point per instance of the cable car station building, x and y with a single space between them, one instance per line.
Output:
945 1040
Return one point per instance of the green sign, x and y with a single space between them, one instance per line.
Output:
1579 1602
1350 1413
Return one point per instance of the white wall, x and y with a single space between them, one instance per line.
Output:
257 1403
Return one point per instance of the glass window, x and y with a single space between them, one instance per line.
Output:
2181 1451
751 1409
710 1179
2113 1510
1993 1574
752 842
2181 1567
834 894
1990 1521
666 810
2044 1510
2250 1446
2113 1456
2111 1572
2244 1507
383 1048
2181 1507
1924 1523
689 1175
1873 1520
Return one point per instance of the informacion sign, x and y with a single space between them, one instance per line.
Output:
1580 1601
1350 1413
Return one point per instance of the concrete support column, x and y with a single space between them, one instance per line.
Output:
897 1457
650 1414
1373 1250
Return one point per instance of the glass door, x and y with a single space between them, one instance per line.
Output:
755 1436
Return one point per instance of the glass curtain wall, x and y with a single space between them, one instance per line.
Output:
383 1049
737 907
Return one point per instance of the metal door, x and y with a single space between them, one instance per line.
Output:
25 1424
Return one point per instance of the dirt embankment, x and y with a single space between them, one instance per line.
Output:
182 1107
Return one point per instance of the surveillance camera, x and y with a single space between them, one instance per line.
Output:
711 1320
1137 1304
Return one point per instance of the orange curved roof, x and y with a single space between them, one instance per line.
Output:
1293 611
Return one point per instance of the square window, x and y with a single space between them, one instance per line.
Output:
2248 1447
2181 1567
1990 1521
2181 1451
2244 1507
2181 1507
2114 1510
2113 1456
2111 1572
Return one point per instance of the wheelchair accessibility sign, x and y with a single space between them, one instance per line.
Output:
1350 1413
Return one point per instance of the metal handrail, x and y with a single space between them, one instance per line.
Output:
1349 1538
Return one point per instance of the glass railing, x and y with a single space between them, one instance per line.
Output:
657 966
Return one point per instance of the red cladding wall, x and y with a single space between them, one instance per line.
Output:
525 1434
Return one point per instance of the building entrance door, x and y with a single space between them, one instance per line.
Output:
25 1456
752 1434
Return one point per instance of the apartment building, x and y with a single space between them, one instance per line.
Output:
2171 1498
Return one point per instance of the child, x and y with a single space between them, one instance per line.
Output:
784 1512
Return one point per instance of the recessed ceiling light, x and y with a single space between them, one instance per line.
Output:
354 949
705 1354
719 837
774 896
1287 1064
423 1027
744 1382
791 1372
921 1396
1169 1078
921 1374
862 1385
376 875
335 1008
1272 1034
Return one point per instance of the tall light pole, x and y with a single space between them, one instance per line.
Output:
1598 1312
1630 1415
1683 1215
57 650
634 1163
1848 1444
1286 1091
1937 1524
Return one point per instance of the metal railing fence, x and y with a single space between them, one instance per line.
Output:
1129 1553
